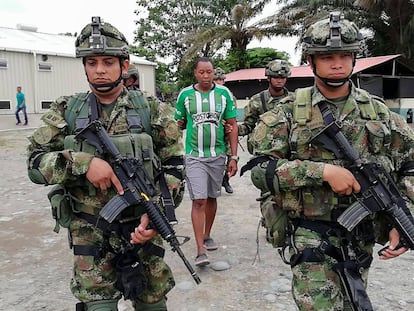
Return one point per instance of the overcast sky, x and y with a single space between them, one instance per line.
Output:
54 16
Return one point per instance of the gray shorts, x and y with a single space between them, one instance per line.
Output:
204 176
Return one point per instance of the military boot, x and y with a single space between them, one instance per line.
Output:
102 305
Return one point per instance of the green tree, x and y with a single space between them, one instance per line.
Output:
234 31
255 58
391 22
181 31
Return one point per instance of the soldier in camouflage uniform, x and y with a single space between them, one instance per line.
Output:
219 77
125 257
160 115
131 78
277 71
309 187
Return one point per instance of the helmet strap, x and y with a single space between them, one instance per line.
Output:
335 83
107 87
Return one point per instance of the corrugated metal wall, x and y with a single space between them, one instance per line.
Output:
65 78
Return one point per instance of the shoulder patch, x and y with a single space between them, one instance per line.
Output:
269 118
172 131
44 134
259 132
54 119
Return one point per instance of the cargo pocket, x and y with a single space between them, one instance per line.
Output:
62 206
379 136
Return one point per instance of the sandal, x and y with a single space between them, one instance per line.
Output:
210 245
201 260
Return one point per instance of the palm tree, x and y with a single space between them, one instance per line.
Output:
233 32
294 17
392 22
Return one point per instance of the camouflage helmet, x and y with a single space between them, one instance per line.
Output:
277 68
100 38
219 74
132 72
333 34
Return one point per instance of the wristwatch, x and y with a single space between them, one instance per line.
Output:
235 158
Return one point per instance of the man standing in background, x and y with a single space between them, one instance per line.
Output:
277 72
21 105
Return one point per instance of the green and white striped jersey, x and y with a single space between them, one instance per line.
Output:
203 113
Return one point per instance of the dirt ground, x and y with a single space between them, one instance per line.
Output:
36 262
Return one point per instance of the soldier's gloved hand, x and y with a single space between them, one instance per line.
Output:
141 233
102 176
340 179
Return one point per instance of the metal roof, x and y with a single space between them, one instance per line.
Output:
305 71
28 40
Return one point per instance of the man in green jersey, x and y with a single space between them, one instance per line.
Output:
201 109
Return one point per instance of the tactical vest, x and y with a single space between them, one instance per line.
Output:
307 121
132 137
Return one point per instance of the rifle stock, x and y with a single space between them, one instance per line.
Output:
132 174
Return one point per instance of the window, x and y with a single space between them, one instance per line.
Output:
3 63
5 104
45 67
46 104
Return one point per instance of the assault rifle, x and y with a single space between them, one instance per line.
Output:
379 192
132 175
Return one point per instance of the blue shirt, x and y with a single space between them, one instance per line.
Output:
20 98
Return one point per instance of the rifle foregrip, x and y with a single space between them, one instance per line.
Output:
162 225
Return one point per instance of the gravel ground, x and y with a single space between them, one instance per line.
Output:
36 262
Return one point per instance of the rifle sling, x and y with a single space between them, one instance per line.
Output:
350 278
167 200
270 169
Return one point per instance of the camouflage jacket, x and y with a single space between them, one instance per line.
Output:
46 151
255 108
376 134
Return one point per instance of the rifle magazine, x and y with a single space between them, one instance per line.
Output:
353 215
113 208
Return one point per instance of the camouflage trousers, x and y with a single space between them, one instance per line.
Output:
315 285
94 277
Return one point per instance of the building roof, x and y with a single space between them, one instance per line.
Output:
305 71
26 39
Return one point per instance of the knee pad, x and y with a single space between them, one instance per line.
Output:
143 306
102 305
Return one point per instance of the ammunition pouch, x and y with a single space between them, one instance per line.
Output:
275 220
131 280
63 206
263 173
